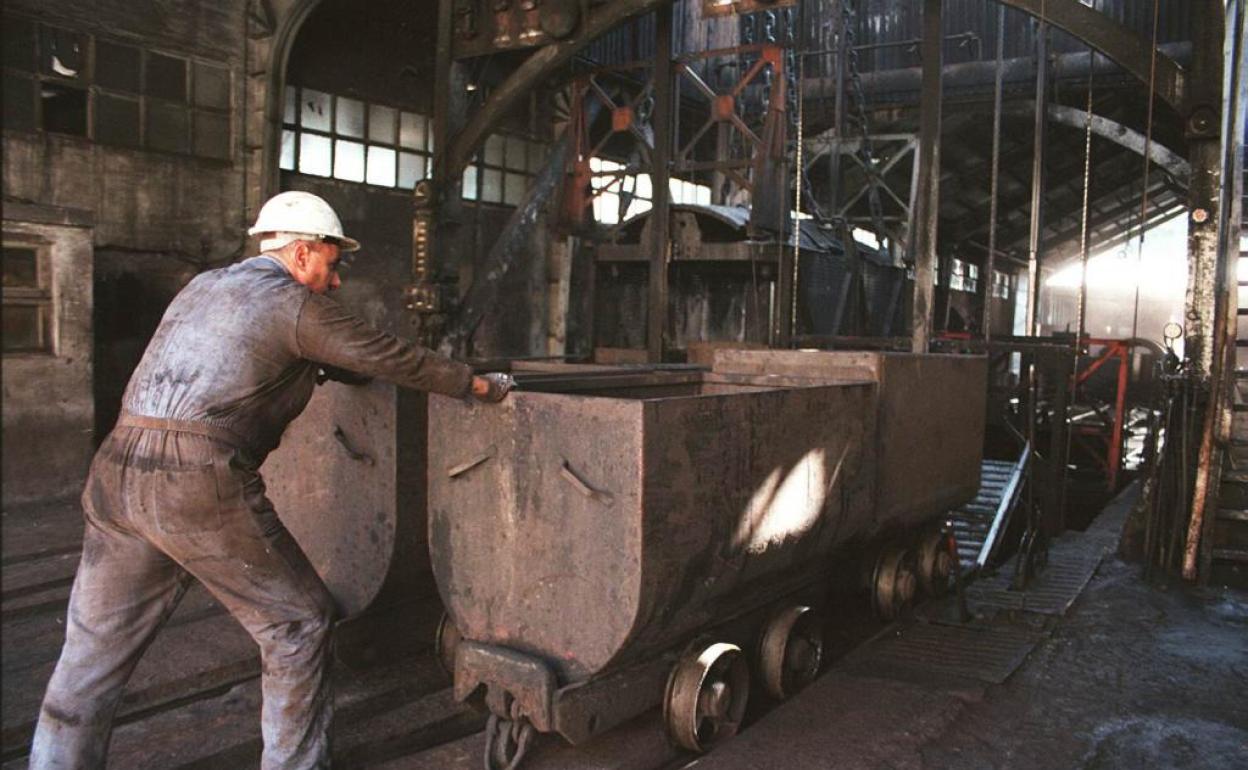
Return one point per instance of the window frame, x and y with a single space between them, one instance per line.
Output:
40 296
296 129
86 81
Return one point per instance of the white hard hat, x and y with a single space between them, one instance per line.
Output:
302 213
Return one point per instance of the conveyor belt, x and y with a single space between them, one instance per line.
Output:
979 525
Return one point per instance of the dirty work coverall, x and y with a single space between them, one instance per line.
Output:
174 492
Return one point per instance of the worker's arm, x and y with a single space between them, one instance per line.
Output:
329 334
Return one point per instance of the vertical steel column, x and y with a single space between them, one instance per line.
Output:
1205 158
840 55
927 211
1212 262
1037 177
998 88
660 173
436 233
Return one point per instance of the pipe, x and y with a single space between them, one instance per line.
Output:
888 87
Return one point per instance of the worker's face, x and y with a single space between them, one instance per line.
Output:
318 266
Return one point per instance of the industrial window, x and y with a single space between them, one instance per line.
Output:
353 140
963 276
27 301
68 82
501 172
1000 284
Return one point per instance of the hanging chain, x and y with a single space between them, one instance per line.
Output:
866 151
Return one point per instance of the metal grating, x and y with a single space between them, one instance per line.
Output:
918 650
1071 565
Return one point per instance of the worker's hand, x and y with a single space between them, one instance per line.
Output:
492 387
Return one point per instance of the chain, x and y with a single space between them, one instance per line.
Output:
866 151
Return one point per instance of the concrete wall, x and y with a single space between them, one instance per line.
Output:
159 218
48 412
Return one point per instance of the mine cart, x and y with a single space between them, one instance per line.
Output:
610 541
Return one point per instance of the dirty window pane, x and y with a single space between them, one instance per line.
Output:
212 86
349 161
166 77
21 268
168 127
381 166
350 120
287 162
19 44
19 102
116 120
63 53
513 189
381 123
411 169
315 155
515 153
470 183
290 111
64 109
23 328
412 131
492 185
212 135
314 109
117 66
493 154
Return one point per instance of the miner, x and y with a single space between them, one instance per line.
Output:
175 493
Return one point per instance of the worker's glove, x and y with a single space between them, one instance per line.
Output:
499 386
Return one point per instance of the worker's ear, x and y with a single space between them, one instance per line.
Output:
302 250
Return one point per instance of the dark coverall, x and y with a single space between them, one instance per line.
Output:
174 492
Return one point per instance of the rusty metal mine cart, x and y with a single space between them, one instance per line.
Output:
609 541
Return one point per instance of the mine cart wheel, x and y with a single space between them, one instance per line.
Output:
706 696
935 565
446 643
790 651
893 582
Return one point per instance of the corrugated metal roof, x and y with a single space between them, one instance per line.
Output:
897 21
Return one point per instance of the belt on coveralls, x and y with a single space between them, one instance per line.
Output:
225 435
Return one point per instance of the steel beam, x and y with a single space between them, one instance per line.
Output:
660 173
1205 158
1113 40
1133 140
927 208
976 78
1037 176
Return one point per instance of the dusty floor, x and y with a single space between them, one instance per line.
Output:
1134 675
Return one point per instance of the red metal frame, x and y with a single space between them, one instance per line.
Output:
721 108
1113 349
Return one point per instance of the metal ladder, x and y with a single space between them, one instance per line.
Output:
1229 544
979 525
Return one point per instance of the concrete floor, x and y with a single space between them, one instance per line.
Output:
1134 675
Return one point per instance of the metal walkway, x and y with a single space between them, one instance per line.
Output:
979 524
